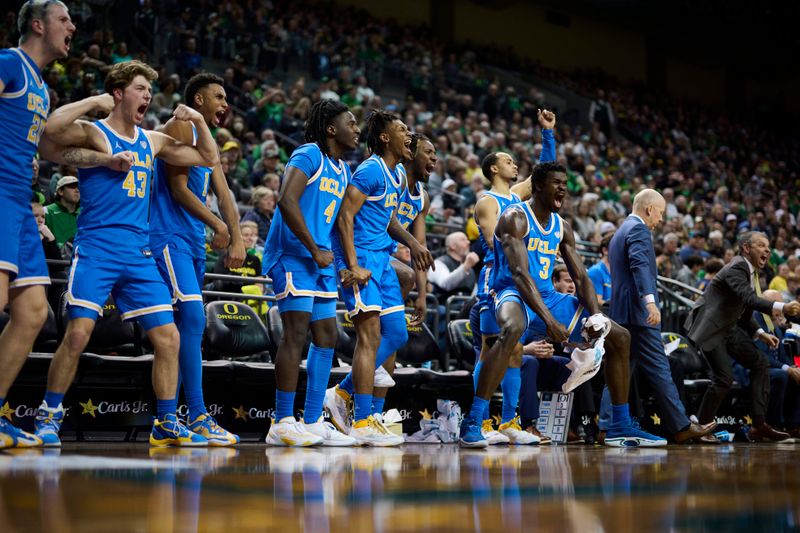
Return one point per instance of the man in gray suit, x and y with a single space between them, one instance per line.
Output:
728 301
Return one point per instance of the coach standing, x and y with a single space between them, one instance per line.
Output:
728 301
634 306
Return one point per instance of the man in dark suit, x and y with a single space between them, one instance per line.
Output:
728 302
634 305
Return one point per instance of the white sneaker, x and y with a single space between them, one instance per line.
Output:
289 432
383 379
371 432
338 408
492 436
330 435
516 435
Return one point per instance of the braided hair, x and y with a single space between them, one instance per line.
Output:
377 123
417 138
321 116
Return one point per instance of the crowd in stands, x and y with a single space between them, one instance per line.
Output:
719 176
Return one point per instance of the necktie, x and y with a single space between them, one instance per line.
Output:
767 318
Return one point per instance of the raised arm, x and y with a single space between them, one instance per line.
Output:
177 153
511 231
84 157
353 200
547 121
63 124
584 287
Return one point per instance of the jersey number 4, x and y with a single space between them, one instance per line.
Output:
135 183
329 211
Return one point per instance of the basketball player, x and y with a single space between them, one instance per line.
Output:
499 168
411 212
46 33
367 230
177 238
298 258
112 251
527 238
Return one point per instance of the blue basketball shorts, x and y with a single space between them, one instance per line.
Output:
21 252
489 327
381 293
133 280
565 308
300 285
181 270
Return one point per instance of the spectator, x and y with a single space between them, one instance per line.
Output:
711 268
62 215
454 273
600 274
695 246
252 263
562 280
263 202
779 282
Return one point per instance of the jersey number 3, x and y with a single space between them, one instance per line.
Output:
135 185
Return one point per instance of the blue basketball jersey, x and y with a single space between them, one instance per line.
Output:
24 106
542 244
382 187
320 203
115 206
411 205
502 203
168 218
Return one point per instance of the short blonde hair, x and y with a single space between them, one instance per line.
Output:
248 224
121 75
259 193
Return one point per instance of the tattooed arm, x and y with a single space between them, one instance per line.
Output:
83 157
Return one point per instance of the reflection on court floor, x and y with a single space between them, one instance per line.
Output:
414 488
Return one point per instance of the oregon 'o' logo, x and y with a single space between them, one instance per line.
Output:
231 309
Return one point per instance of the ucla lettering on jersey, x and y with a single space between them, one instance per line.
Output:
168 218
371 223
320 203
115 206
542 244
24 106
502 203
411 204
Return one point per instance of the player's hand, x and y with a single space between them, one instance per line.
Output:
471 260
121 162
420 309
236 254
547 119
353 276
103 103
770 340
222 238
322 258
792 308
184 112
794 374
421 258
557 332
653 314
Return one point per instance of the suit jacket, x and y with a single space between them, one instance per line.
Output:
727 301
777 356
633 273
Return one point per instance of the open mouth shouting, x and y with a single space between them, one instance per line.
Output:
67 43
558 201
140 111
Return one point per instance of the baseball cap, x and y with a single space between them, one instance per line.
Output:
230 145
607 226
66 180
448 183
730 217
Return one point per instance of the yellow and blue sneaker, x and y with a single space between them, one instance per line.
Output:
171 432
206 426
48 423
13 437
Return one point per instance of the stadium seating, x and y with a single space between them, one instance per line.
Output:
234 331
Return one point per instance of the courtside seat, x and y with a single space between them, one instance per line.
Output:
111 335
421 347
695 368
234 331
114 371
459 336
47 340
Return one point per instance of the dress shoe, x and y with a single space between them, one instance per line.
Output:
543 439
766 433
708 439
574 438
794 433
601 438
694 431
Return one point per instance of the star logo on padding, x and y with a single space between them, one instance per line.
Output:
425 414
6 411
656 419
241 412
748 420
88 408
